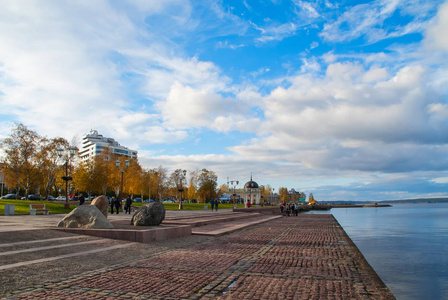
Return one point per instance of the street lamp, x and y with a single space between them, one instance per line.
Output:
234 183
66 154
180 178
118 164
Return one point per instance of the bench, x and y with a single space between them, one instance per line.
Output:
35 208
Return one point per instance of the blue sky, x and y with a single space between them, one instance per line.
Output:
344 99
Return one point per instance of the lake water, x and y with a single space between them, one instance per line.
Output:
406 244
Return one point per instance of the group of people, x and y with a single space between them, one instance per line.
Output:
116 202
289 209
214 204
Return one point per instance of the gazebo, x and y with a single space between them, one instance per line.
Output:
251 193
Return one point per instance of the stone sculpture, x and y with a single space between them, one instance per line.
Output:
85 216
102 203
151 214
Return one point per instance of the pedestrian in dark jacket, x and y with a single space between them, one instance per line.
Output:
81 199
212 202
112 204
128 205
117 204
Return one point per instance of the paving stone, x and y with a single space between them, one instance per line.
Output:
304 257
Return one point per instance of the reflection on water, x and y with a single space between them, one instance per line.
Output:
406 244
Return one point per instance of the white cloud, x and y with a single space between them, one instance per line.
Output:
306 9
368 20
354 119
276 32
64 68
440 180
375 75
188 108
51 73
436 34
226 44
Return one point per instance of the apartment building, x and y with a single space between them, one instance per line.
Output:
94 143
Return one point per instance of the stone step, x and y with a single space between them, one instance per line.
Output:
203 220
231 226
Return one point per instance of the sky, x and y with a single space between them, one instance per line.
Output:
347 100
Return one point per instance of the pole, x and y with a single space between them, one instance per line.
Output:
180 191
120 194
181 204
67 205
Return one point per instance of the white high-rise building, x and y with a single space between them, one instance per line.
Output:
93 144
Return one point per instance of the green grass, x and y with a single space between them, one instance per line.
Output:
22 207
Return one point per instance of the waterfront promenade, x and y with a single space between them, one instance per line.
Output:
304 257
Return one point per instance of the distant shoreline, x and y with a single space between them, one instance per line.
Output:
401 201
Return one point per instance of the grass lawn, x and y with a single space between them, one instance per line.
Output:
22 207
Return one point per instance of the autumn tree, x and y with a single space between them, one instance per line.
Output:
294 196
265 192
222 189
49 163
159 186
144 183
284 195
192 191
20 164
150 181
98 175
84 177
207 182
132 178
104 166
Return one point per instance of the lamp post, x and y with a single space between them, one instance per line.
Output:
234 183
126 165
180 178
66 154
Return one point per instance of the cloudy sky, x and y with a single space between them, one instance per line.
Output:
345 99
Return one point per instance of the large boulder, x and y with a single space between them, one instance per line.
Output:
85 216
102 203
151 214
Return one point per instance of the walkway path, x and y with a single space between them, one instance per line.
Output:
305 257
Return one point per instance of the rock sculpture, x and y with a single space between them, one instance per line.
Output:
102 203
151 214
85 216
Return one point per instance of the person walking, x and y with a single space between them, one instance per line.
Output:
216 205
112 204
281 208
212 202
117 205
127 205
81 199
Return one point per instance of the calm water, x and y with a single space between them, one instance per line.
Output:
406 244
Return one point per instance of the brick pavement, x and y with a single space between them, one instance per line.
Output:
305 257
